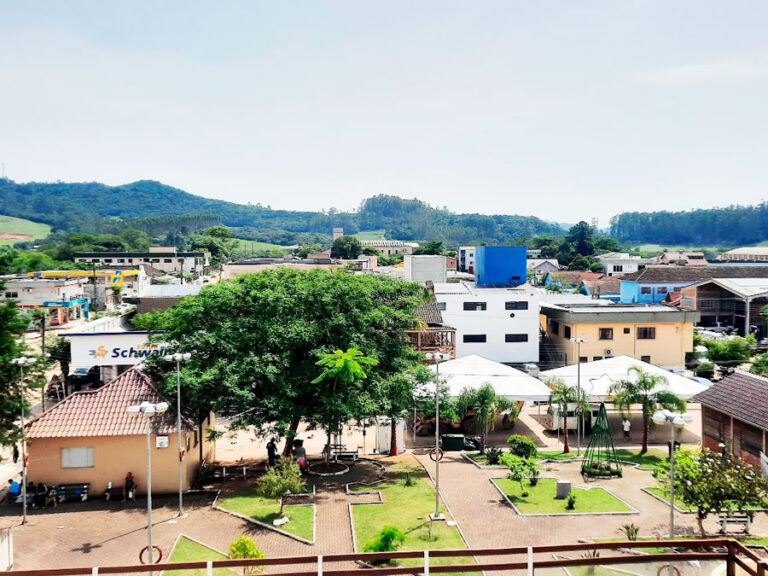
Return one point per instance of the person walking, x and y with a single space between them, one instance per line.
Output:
626 425
15 453
272 452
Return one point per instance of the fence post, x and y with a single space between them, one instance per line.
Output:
761 568
426 562
95 571
209 568
530 560
320 565
730 565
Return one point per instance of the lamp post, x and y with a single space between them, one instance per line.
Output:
179 358
148 410
437 357
675 421
21 362
578 342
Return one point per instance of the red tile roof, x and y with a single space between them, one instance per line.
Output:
573 277
102 412
604 285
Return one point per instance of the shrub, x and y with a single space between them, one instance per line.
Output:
571 502
279 479
408 479
388 540
705 370
493 456
522 446
760 365
630 531
245 547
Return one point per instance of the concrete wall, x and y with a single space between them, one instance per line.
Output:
424 268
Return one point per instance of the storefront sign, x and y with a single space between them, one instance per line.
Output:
112 349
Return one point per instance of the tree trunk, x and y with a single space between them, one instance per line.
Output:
393 438
289 436
566 445
328 448
700 520
646 427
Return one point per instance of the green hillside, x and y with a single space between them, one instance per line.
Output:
14 230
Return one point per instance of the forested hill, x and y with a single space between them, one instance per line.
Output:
85 206
734 225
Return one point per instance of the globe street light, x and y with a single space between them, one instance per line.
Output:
578 342
21 362
148 410
675 421
437 357
179 358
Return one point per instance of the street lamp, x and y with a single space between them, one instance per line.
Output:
578 342
675 421
21 362
437 357
179 358
148 410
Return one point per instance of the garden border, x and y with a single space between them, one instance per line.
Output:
632 509
274 528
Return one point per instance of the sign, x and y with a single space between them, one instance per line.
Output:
112 348
161 442
116 279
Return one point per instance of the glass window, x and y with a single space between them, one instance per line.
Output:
475 306
618 268
646 333
168 260
606 333
627 330
662 290
11 294
474 338
441 306
516 338
77 457
595 358
583 359
646 359
566 331
645 290
520 305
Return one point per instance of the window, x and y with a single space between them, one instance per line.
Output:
661 290
77 457
646 333
583 359
108 260
606 333
516 338
475 306
441 306
596 358
618 268
706 303
121 260
554 327
155 259
645 290
474 338
522 305
646 359
566 331
168 260
627 330
11 294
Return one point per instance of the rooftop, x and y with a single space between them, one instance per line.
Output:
741 395
136 254
388 243
695 274
604 285
749 250
612 308
472 289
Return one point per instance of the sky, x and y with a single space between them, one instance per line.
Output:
561 109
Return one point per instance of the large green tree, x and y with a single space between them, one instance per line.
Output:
346 247
255 340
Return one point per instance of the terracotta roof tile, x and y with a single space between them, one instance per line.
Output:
102 412
741 395
694 274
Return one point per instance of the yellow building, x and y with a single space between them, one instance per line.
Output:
657 334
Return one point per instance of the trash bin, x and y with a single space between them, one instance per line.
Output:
453 442
563 489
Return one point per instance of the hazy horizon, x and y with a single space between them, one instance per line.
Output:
558 110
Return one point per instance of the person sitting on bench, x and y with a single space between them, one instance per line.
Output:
129 487
14 491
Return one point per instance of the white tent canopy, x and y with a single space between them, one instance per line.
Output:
473 371
599 376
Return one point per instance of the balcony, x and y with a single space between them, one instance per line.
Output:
434 339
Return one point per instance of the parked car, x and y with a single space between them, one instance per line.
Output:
83 378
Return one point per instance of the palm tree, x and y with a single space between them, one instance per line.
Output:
561 396
488 406
645 390
344 368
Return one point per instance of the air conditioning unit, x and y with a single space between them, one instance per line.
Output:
608 352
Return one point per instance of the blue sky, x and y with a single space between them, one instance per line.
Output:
565 110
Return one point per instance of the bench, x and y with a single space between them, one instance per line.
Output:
344 455
741 519
67 492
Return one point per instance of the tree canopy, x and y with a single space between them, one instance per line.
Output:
346 247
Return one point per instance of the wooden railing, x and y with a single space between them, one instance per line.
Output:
519 558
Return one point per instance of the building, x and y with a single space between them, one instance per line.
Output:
451 263
569 279
652 284
433 335
620 263
501 324
164 296
90 437
165 258
64 298
734 412
733 302
746 254
466 258
425 268
659 335
390 247
607 287
338 233
682 258
501 266
542 265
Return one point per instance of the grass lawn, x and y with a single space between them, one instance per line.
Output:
649 459
248 246
190 551
407 508
541 498
302 518
11 225
370 235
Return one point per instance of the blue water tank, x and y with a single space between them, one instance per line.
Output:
501 265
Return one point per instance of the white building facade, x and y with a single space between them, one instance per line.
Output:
620 263
466 259
164 258
501 324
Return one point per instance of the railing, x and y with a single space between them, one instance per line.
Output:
520 558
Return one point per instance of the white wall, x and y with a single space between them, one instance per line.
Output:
495 322
34 292
424 268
